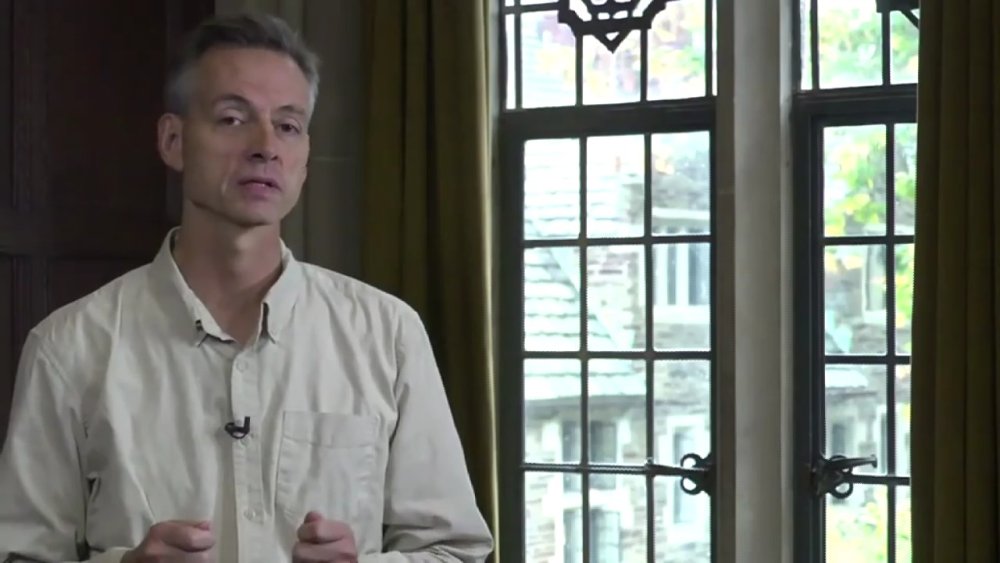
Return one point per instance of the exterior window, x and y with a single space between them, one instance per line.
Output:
604 449
684 275
605 536
608 253
684 511
855 161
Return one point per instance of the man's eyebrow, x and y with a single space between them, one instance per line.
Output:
231 98
293 109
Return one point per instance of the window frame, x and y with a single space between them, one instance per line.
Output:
656 117
516 127
812 112
809 111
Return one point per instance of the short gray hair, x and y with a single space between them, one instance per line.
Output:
250 30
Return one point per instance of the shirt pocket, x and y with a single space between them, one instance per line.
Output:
325 463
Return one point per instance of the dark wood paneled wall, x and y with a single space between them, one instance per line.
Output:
83 194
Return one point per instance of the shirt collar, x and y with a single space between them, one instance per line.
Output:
278 304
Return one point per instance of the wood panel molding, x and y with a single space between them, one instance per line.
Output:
82 199
28 38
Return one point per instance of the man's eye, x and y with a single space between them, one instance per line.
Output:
289 128
229 120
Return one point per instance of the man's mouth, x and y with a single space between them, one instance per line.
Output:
260 182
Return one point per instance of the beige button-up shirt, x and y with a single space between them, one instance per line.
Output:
122 397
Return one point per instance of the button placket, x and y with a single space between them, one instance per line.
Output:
247 469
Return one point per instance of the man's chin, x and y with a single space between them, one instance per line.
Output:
242 217
255 222
262 216
252 220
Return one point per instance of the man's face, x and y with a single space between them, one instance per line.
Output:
243 146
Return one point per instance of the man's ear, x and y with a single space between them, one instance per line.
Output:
169 140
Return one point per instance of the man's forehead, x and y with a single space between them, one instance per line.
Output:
244 75
251 64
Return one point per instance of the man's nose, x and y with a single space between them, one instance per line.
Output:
262 146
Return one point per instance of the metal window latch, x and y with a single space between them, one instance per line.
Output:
701 481
829 475
694 478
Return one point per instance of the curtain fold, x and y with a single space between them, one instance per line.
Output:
956 326
426 201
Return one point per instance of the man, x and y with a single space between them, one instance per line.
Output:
226 402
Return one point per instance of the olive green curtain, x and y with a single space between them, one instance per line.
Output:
956 317
426 200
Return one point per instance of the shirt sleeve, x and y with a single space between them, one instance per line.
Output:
41 482
430 505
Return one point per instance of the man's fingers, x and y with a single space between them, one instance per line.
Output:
323 552
322 540
309 552
308 529
323 531
185 536
200 524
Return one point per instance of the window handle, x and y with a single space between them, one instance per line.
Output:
701 480
830 474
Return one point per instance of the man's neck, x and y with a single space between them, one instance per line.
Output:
230 270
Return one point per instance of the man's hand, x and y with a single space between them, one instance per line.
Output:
324 541
180 541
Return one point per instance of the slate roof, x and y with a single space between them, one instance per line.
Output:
552 281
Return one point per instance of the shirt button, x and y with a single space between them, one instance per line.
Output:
250 513
241 365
